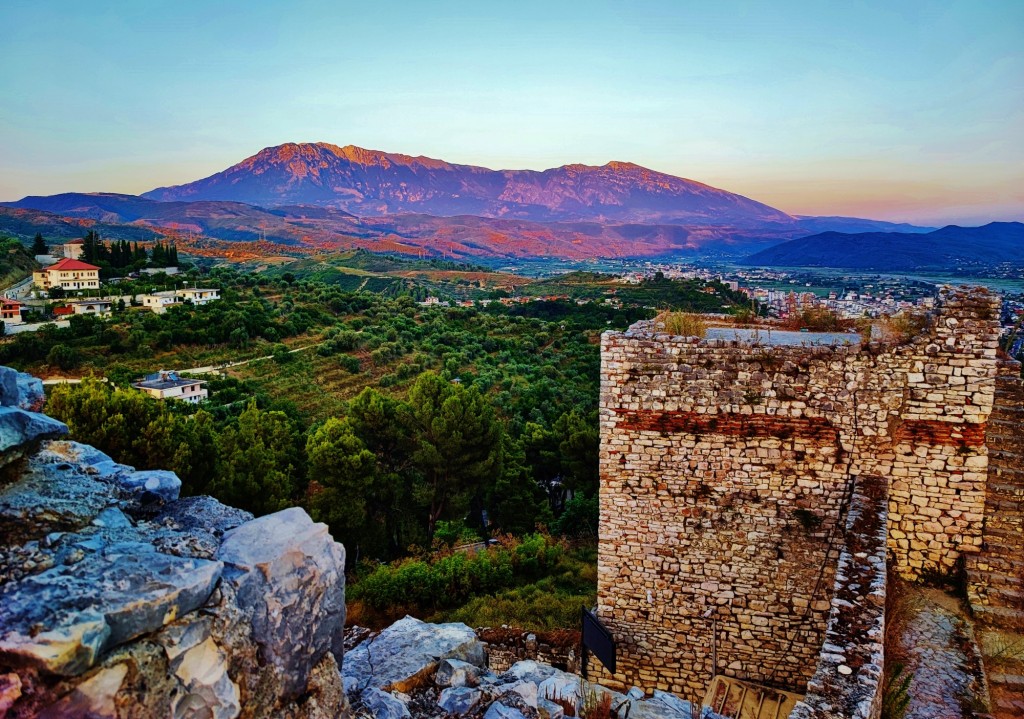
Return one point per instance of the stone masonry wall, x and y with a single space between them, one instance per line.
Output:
849 678
995 580
726 468
505 647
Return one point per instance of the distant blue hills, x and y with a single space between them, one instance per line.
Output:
949 248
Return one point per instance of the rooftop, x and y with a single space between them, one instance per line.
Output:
69 264
165 379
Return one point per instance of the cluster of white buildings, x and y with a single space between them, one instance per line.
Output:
851 305
72 275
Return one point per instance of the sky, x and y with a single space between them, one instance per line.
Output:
905 111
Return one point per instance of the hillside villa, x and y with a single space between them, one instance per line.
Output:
168 384
100 308
159 301
68 274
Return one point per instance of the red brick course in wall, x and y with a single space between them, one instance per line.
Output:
730 424
946 434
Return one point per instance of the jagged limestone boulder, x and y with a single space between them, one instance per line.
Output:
406 655
20 389
21 431
384 705
119 599
457 673
104 600
459 700
511 706
271 562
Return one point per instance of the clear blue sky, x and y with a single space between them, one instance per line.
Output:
895 110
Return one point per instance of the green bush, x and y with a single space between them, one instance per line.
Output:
452 579
580 517
64 357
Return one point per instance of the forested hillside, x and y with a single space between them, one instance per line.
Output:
16 261
406 428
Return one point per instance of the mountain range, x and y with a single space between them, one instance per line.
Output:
949 248
374 183
320 197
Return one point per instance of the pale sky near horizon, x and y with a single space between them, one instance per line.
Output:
905 111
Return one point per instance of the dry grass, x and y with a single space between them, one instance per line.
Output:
817 319
568 704
683 324
902 327
596 705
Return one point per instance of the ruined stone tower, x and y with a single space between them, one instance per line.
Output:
727 472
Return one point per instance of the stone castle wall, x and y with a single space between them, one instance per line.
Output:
726 469
995 580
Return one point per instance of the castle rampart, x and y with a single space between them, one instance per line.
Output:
727 468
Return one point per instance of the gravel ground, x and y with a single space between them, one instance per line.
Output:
936 643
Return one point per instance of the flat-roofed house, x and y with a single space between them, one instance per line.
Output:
198 295
68 274
159 301
100 308
168 384
10 312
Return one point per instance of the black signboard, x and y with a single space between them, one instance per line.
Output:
598 640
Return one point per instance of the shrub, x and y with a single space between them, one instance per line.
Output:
902 327
684 324
282 355
579 519
349 363
449 534
896 696
450 579
64 357
817 319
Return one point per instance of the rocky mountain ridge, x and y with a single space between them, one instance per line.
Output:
373 183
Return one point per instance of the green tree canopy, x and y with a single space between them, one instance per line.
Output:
457 444
258 460
345 470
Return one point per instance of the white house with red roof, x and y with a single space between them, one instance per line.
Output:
68 274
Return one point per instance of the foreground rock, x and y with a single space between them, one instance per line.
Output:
406 655
431 671
20 389
118 599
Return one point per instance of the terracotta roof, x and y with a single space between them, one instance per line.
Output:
69 264
75 242
61 311
8 303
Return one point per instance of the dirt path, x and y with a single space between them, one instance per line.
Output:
207 369
937 647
